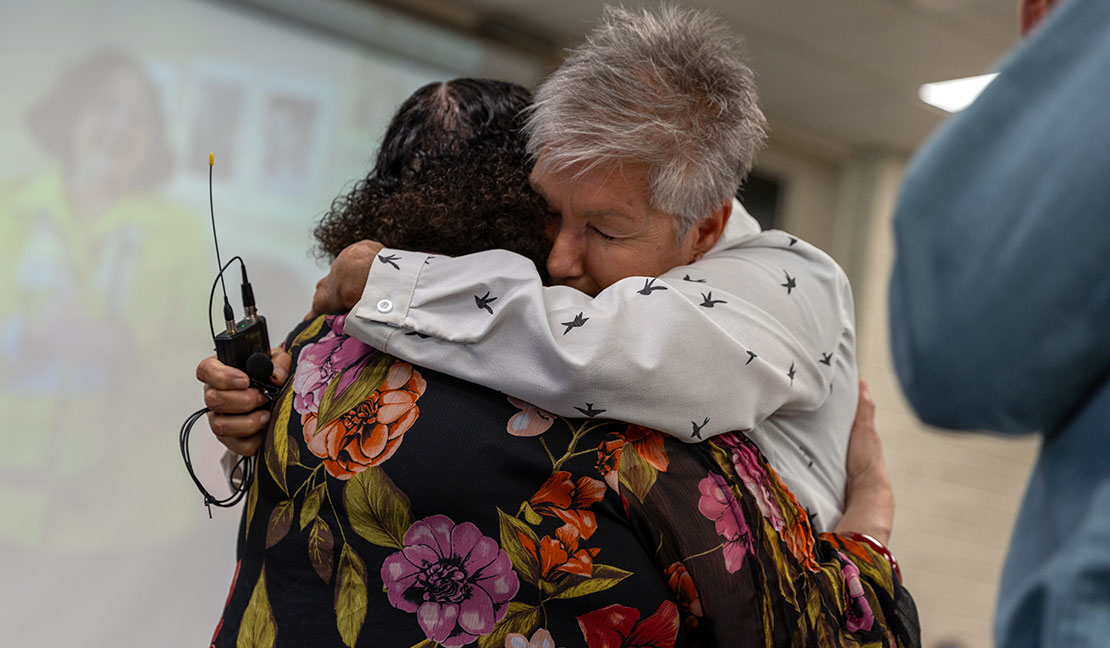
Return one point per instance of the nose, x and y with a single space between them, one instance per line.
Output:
564 262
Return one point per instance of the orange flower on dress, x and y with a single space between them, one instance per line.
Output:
685 594
559 497
370 432
649 445
609 461
560 554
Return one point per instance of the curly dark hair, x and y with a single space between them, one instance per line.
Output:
451 178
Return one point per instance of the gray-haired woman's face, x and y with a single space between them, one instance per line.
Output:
603 228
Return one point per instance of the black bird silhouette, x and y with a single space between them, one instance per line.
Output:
390 260
422 336
484 302
649 287
826 359
574 323
708 301
791 373
807 455
687 278
790 283
751 356
697 428
590 411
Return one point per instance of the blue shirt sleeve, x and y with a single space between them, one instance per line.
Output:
1000 293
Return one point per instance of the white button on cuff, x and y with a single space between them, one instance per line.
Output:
384 306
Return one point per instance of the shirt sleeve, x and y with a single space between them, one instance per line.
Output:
703 349
1000 295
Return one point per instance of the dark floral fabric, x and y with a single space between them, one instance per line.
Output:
395 506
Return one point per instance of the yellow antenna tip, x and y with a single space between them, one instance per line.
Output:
211 158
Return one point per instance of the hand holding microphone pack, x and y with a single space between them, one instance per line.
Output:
243 344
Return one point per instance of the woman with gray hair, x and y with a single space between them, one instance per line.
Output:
671 309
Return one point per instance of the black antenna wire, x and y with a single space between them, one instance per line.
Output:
228 314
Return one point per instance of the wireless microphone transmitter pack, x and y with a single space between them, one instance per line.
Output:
241 340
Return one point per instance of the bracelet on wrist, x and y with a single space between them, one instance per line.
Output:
879 548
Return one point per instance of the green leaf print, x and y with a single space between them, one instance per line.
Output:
523 562
311 506
603 577
280 521
277 445
377 509
321 548
350 596
370 377
258 628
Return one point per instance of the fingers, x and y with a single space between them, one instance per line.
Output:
236 419
233 401
238 428
865 449
282 363
217 375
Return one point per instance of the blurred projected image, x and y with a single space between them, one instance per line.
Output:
290 127
98 272
215 124
106 260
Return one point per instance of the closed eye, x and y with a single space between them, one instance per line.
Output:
602 234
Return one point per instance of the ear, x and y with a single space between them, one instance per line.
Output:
707 232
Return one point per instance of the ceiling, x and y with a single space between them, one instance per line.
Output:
844 71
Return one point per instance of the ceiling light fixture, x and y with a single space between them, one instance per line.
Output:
955 95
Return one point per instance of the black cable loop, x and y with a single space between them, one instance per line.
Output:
246 464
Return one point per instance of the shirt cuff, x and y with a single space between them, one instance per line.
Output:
387 297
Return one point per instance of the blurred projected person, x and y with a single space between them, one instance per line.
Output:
1000 307
99 276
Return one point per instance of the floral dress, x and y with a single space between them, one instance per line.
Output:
396 506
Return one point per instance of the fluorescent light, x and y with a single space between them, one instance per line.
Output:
954 95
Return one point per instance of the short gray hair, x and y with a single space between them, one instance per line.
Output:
670 89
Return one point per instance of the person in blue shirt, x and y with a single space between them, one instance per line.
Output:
1000 306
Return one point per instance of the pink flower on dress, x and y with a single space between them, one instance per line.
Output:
530 422
718 504
457 581
860 615
320 362
755 478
